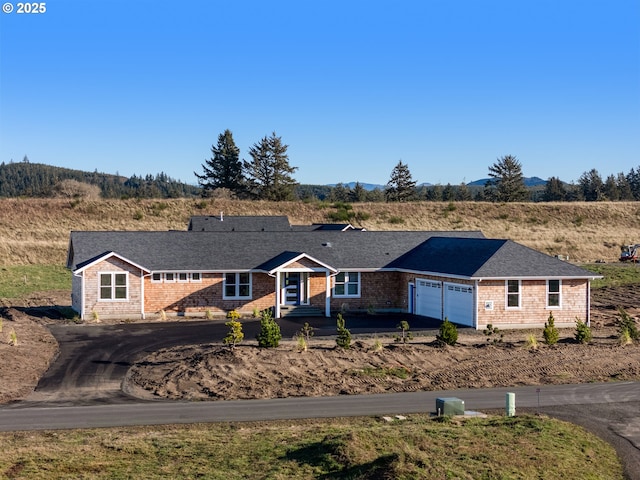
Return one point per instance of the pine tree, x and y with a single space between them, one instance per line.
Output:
401 187
507 184
224 169
554 190
269 172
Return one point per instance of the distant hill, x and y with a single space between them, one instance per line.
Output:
26 179
528 182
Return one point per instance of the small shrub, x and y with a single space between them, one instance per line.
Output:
448 333
301 343
377 345
13 338
403 326
163 315
235 334
550 332
306 332
95 315
0 324
233 315
208 314
343 338
627 326
532 342
255 313
583 332
491 333
270 335
138 215
395 220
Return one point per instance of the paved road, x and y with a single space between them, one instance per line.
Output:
83 388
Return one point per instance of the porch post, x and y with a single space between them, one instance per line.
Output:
277 309
327 302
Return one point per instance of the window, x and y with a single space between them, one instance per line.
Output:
183 277
347 284
553 293
237 285
196 277
113 286
513 293
156 277
169 277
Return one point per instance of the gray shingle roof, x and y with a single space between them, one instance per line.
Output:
233 223
217 251
465 254
485 258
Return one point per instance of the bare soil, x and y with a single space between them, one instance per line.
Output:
212 371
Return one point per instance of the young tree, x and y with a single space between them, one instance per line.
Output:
235 334
269 172
343 337
401 187
270 335
507 184
224 169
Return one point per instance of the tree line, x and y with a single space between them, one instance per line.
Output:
26 179
268 175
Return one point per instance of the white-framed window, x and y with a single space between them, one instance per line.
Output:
196 277
183 277
169 277
236 285
554 293
114 286
156 277
513 293
347 284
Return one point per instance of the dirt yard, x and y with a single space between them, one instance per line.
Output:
213 372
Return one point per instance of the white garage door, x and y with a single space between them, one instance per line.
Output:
429 298
458 303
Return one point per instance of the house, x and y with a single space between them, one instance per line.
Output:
254 263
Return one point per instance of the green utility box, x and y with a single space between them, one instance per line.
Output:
449 406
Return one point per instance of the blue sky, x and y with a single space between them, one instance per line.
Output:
353 87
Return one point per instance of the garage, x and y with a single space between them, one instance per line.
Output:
429 298
458 303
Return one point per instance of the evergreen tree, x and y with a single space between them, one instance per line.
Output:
401 187
462 193
269 172
358 194
610 189
224 168
554 190
507 184
591 186
624 187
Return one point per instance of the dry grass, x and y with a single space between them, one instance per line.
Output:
36 231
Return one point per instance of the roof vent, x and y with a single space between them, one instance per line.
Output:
327 244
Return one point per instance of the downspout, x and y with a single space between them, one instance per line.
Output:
589 302
475 304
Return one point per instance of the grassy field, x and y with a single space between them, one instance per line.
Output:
36 231
524 447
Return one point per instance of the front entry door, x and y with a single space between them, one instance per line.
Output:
292 288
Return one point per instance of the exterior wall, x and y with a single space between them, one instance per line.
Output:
379 291
196 298
130 307
533 311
